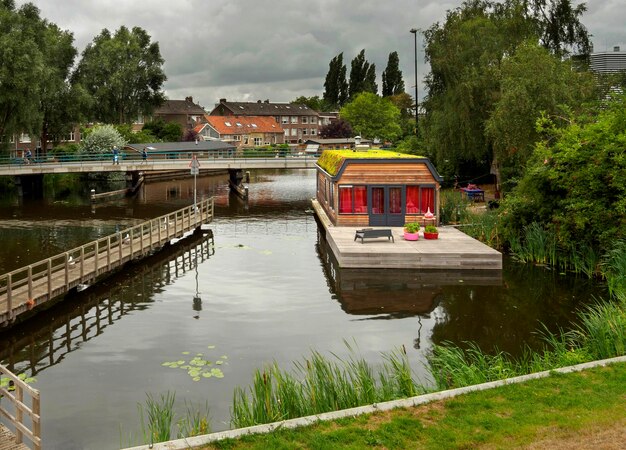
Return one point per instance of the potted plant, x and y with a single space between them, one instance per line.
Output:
411 231
431 232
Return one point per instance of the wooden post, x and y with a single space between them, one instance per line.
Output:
131 237
96 251
67 270
9 296
119 247
19 415
36 421
49 278
30 282
109 253
82 263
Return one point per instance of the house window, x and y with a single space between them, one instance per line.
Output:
420 199
24 138
294 119
69 137
305 119
245 140
237 137
258 141
313 132
305 131
352 199
285 119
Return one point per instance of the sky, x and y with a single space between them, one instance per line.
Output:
278 50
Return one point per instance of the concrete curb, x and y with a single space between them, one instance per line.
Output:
368 409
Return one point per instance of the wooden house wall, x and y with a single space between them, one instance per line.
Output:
375 174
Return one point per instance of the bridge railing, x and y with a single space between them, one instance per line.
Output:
125 155
104 254
14 392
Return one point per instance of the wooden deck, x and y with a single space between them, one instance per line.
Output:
24 289
8 440
453 250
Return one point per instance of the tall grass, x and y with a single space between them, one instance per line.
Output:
319 384
535 245
485 227
614 270
157 417
453 207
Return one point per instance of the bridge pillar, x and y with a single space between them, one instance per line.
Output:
30 186
235 178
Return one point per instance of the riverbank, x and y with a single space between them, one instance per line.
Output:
563 410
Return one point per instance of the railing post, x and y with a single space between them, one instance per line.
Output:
108 252
96 250
19 415
82 263
36 421
131 236
10 296
49 278
67 270
30 282
119 247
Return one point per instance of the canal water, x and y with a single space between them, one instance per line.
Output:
264 289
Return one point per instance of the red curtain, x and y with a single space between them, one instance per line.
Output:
428 200
345 200
395 200
412 199
378 201
360 199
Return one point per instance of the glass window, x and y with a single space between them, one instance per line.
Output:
428 199
360 199
285 119
345 200
305 119
294 119
258 141
412 199
395 200
378 200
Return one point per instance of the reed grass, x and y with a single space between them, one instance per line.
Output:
319 384
614 270
485 227
157 417
453 207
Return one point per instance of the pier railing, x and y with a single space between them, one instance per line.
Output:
19 409
25 288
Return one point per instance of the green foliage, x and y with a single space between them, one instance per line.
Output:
123 73
393 84
362 76
315 103
321 385
372 116
164 131
454 207
430 229
411 227
102 139
485 226
573 184
335 85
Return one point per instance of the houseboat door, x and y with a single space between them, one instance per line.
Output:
387 206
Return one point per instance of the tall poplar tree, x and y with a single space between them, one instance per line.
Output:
362 76
393 84
336 86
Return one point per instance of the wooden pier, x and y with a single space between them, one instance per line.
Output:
24 289
24 419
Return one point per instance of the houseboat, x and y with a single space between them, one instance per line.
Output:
377 188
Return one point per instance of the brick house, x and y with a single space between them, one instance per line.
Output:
299 122
184 112
242 131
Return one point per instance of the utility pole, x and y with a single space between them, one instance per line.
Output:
414 31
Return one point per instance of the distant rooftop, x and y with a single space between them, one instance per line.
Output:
262 108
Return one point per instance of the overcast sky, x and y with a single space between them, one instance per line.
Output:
246 50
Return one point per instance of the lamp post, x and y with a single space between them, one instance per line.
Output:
414 31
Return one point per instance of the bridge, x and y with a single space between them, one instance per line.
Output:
157 162
24 289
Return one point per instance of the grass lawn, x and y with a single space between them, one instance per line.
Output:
580 410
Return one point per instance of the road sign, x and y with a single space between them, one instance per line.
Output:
195 166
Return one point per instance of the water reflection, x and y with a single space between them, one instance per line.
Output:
35 345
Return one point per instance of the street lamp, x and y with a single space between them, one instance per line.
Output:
414 31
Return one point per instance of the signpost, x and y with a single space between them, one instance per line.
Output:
195 170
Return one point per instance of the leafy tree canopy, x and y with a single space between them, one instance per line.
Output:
336 129
393 84
102 139
335 85
164 131
574 183
372 117
123 73
362 76
314 102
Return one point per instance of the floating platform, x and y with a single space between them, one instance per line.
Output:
453 250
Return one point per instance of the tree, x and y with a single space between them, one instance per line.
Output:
102 139
315 103
336 129
372 116
574 183
21 68
362 76
165 132
393 84
336 86
123 73
465 55
533 83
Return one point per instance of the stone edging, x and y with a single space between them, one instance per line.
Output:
368 409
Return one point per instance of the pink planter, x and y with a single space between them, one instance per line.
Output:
411 236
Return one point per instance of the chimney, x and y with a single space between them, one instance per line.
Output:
258 101
616 48
189 99
222 100
267 100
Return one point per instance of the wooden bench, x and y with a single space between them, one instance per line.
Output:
372 233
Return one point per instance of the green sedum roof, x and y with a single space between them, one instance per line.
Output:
332 160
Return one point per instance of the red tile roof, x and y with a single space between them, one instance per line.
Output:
244 124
